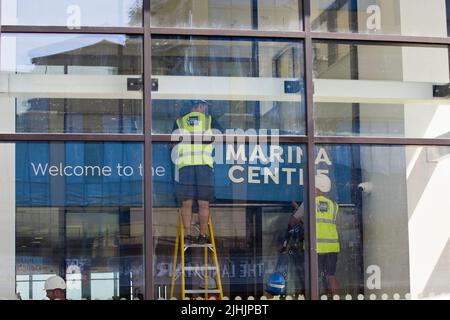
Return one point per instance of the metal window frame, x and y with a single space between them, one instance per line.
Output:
307 36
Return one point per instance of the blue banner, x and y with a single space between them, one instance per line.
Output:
111 174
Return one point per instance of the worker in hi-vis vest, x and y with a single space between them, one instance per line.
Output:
326 234
195 168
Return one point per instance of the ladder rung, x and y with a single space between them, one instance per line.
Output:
202 291
207 245
199 268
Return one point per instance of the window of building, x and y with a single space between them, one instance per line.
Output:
381 90
72 13
390 227
387 17
126 124
230 73
78 212
71 83
252 200
228 14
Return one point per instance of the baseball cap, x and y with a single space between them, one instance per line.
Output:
199 101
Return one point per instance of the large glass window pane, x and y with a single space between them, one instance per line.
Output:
72 13
251 195
71 83
74 209
391 227
381 90
390 17
285 15
249 84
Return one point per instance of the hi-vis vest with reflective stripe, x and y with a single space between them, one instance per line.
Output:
195 154
327 235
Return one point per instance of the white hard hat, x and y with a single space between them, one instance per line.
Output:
323 183
55 282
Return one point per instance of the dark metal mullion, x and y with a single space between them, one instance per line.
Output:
354 63
342 36
148 183
379 38
230 32
354 75
311 208
227 33
255 20
247 138
330 140
255 73
383 141
10 137
62 29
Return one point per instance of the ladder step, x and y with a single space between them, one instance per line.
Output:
199 268
206 245
202 291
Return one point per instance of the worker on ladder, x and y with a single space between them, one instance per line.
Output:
194 168
194 174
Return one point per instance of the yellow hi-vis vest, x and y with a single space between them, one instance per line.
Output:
327 235
195 153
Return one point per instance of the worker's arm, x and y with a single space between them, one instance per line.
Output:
295 219
216 125
298 214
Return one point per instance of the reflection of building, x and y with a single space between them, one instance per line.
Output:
110 59
359 93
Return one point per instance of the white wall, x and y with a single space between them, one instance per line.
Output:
7 220
424 18
429 218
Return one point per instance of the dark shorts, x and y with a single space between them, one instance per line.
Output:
196 183
327 263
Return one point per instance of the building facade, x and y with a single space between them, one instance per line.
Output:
354 90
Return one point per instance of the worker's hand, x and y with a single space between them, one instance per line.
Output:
292 221
283 249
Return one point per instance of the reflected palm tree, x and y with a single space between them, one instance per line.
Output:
135 13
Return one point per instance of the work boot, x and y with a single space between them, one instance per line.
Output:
202 239
188 240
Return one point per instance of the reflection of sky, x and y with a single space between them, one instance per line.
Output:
51 12
31 46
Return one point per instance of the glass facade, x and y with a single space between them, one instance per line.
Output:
72 14
72 83
251 208
392 231
78 213
224 149
387 17
380 90
216 14
231 74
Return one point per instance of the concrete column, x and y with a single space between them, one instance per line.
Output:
7 220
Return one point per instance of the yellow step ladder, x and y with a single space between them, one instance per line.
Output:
182 247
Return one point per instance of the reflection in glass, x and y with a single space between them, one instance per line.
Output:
252 214
79 214
72 13
396 17
71 83
228 14
392 233
250 84
380 90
